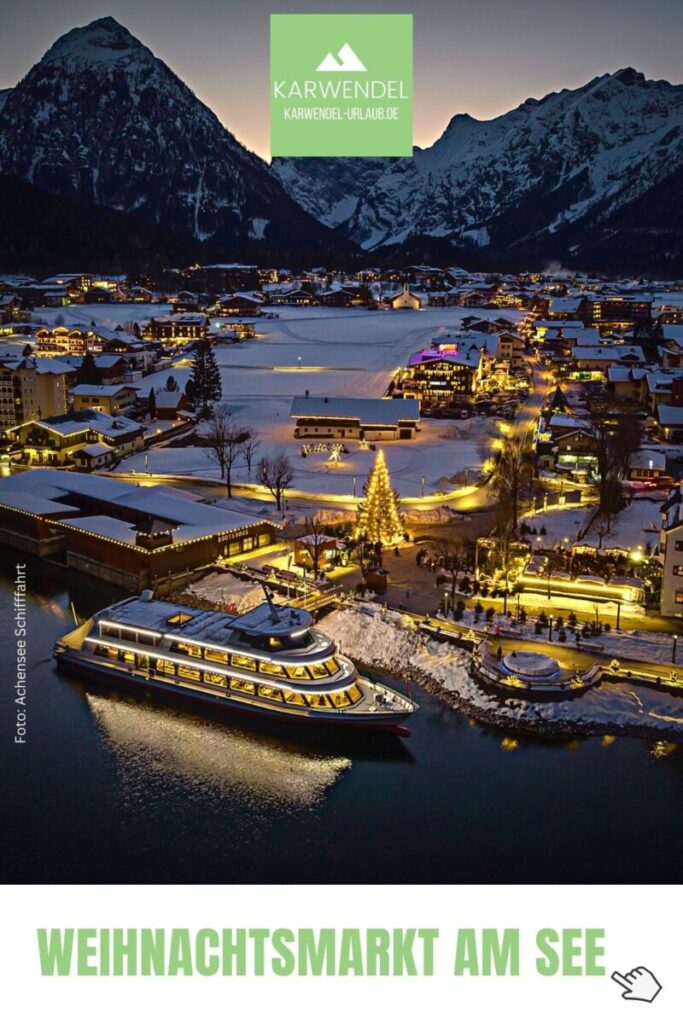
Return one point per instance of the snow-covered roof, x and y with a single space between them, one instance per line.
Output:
366 410
609 353
99 390
97 449
35 504
670 415
648 458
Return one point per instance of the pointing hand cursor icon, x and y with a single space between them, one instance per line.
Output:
639 984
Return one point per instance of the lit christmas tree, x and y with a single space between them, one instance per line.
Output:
378 516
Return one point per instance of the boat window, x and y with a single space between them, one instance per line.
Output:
129 634
242 685
179 619
110 631
339 699
332 666
216 678
270 691
242 661
268 668
294 698
297 672
318 700
188 673
129 657
212 655
167 667
182 648
318 671
106 652
145 638
354 693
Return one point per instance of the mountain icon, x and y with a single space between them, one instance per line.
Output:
348 61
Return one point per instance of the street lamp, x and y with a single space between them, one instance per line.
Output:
550 628
673 653
422 487
354 487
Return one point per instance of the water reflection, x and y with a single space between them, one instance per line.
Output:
156 743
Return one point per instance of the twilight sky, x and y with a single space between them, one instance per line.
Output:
482 57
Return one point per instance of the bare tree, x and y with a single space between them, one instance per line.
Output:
276 474
225 440
314 542
513 472
250 446
456 553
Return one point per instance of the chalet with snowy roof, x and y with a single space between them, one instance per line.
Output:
591 362
240 304
10 309
60 340
55 440
344 298
291 297
176 328
112 399
369 419
171 404
670 422
627 383
135 537
647 466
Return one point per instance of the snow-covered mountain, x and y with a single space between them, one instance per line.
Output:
102 120
544 177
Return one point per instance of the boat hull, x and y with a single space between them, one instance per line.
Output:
72 663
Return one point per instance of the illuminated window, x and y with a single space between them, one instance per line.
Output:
189 673
679 597
678 570
242 686
339 699
272 670
354 693
270 691
318 671
294 698
319 700
332 666
242 661
297 672
213 655
179 619
167 667
194 650
215 678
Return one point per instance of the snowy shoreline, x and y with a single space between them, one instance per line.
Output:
389 642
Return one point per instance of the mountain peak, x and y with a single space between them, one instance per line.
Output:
104 40
628 76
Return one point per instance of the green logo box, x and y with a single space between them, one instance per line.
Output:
341 84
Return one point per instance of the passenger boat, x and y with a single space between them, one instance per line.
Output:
271 661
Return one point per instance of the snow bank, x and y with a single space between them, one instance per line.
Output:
390 642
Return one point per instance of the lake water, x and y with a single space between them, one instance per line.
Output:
110 788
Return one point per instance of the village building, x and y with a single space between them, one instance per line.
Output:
112 399
369 419
447 370
240 304
54 441
669 420
176 328
615 311
135 537
405 299
510 350
671 555
32 387
61 340
647 466
591 362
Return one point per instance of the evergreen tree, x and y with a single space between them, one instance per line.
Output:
88 372
205 376
152 407
379 519
171 384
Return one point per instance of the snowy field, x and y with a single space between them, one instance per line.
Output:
337 352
